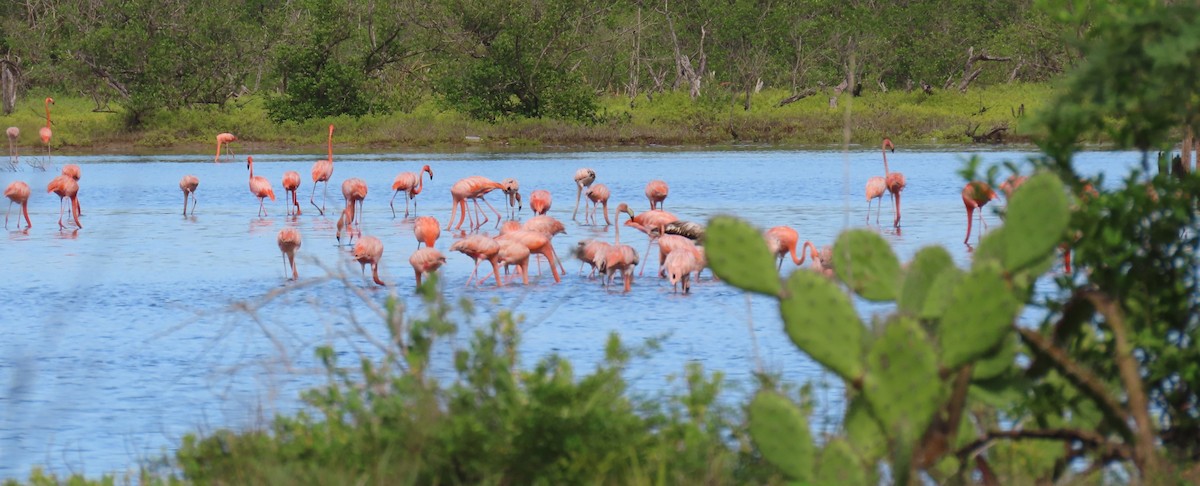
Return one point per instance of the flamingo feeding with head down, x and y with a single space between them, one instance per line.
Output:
45 131
653 223
411 183
512 189
480 248
18 192
426 260
618 257
260 187
782 240
72 171
369 250
514 253
539 201
894 181
427 230
223 139
584 177
291 183
656 192
66 187
322 170
473 188
354 191
598 193
975 195
188 185
289 242
13 158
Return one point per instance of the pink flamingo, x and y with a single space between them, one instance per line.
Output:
473 188
679 267
260 187
782 240
653 223
188 185
45 132
411 183
13 158
480 248
343 222
876 186
656 192
354 190
539 201
224 139
427 230
426 260
291 182
584 177
66 187
537 243
668 244
369 250
622 258
598 193
18 192
590 252
894 180
512 189
289 242
322 170
515 253
72 171
1010 185
975 195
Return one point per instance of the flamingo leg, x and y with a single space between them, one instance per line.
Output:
896 202
493 208
10 203
643 264
60 213
414 203
312 199
292 260
392 204
578 194
969 219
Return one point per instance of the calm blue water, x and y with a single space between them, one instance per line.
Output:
119 338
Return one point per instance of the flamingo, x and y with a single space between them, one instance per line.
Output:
584 177
260 187
411 183
473 188
426 260
689 229
782 240
343 223
894 180
427 230
289 242
653 223
515 253
18 192
479 248
65 187
876 186
1010 185
45 132
224 139
13 157
537 243
72 171
668 244
322 170
370 250
188 185
656 192
975 195
539 201
679 267
598 193
590 252
512 189
619 257
291 182
548 225
354 190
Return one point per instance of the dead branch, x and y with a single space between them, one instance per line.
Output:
970 72
796 97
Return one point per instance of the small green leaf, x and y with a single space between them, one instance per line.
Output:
821 320
781 433
866 262
738 255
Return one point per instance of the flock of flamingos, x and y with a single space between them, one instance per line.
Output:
680 250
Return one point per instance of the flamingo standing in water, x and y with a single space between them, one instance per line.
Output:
479 248
354 190
18 192
427 230
653 223
590 252
322 170
369 250
224 139
45 131
512 189
289 242
894 180
679 267
975 195
876 186
598 193
584 177
656 192
426 260
188 185
291 182
411 183
514 253
260 187
782 240
538 243
473 188
13 158
72 171
619 257
66 187
539 201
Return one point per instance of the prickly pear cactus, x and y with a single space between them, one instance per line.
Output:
738 255
820 319
1037 220
781 432
839 464
980 313
866 262
926 265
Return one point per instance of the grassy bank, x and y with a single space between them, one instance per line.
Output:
670 119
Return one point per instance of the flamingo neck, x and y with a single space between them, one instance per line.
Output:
617 228
420 183
885 166
47 113
329 145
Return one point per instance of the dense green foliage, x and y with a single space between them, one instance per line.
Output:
498 59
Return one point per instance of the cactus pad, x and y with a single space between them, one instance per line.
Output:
865 261
1037 220
926 265
902 384
820 319
938 295
781 433
980 313
863 432
738 255
840 465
